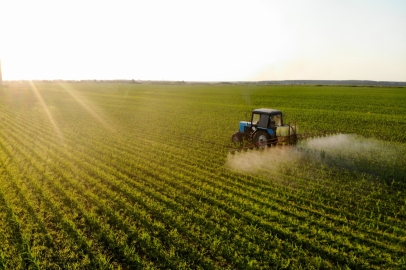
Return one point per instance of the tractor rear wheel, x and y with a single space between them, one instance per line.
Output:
237 137
274 141
261 139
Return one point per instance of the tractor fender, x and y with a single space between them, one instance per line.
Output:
271 132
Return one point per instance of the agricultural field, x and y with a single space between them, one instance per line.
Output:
123 176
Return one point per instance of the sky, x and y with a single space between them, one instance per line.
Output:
204 40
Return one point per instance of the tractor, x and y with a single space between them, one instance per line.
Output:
267 128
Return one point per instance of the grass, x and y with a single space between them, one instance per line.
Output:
115 176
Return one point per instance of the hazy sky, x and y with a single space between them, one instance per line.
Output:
204 40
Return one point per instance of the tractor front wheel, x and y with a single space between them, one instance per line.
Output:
237 137
261 139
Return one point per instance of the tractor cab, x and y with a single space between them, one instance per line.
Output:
264 123
266 119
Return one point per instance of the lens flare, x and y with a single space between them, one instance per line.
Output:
90 108
47 111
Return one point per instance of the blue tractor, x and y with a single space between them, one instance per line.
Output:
265 127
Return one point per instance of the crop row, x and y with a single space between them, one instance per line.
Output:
171 154
160 157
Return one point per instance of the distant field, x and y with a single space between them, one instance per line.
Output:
117 176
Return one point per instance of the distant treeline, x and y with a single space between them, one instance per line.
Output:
335 82
100 81
288 82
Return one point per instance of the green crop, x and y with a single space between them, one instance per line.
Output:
116 176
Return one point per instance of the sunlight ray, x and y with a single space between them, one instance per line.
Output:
90 108
47 111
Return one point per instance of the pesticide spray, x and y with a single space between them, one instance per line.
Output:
378 159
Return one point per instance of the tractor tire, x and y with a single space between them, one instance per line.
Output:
237 138
274 143
261 139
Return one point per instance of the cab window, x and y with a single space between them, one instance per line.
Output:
271 121
255 118
278 119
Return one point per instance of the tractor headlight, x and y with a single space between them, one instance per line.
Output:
253 128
